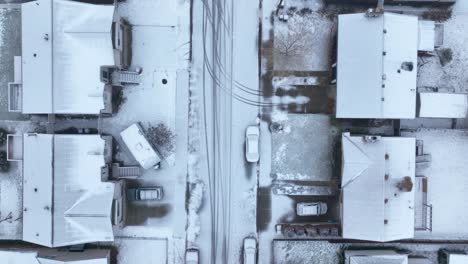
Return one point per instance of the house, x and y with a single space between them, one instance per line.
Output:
377 64
382 256
377 187
55 256
67 199
64 45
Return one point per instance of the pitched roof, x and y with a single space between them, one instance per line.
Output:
64 44
53 256
370 80
365 189
65 202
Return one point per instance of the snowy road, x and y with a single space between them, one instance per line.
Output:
225 53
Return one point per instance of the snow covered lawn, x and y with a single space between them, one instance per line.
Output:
303 137
304 42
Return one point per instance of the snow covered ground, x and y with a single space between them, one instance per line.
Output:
155 231
289 151
10 46
11 186
304 42
447 181
142 251
452 75
323 252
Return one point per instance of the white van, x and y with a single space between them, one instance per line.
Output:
135 140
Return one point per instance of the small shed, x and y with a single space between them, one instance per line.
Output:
136 142
443 105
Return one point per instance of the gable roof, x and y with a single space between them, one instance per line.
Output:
65 202
64 45
53 256
364 188
370 80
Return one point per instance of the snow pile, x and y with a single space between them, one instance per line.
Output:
195 202
286 100
197 186
279 116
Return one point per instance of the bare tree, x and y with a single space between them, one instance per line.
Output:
292 42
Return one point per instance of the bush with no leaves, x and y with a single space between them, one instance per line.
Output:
3 136
4 164
161 137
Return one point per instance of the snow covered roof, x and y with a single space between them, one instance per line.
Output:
374 256
457 259
141 149
52 256
426 38
64 44
366 164
443 105
64 200
377 66
18 257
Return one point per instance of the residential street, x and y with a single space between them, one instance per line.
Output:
228 69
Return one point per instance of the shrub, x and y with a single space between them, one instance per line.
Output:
4 164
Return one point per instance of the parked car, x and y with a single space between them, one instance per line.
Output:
145 193
311 209
191 256
250 250
252 136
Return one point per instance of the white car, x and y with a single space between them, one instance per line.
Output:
252 137
311 209
250 250
191 256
